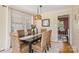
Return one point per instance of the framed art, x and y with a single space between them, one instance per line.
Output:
46 22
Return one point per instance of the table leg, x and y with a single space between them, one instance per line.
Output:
30 48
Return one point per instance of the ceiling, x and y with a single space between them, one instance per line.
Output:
33 8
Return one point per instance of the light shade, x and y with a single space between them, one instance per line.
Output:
37 17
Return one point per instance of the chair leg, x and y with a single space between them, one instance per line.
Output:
32 51
47 48
45 51
50 45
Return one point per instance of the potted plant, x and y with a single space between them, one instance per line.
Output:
33 28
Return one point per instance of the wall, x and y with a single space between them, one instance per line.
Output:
3 28
53 15
70 13
76 27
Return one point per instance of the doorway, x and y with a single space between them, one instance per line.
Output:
63 28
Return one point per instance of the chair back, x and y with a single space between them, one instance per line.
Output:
21 33
43 41
26 33
49 38
50 33
43 30
29 31
15 42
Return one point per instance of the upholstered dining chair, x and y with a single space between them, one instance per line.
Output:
43 30
50 33
41 46
26 33
17 46
21 33
48 39
29 31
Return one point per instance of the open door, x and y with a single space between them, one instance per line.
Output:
63 27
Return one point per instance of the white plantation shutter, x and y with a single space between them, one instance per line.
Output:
20 20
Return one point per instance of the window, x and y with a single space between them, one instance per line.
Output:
19 20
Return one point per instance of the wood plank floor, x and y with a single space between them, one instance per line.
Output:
67 48
60 47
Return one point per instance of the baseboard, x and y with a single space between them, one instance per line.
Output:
56 41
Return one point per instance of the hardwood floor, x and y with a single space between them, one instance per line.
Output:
61 47
66 48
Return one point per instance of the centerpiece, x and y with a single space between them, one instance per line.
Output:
33 28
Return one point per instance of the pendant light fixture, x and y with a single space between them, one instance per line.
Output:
38 15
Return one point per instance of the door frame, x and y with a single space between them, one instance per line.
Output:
69 31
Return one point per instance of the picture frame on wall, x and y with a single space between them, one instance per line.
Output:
46 22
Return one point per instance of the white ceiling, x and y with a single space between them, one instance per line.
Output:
45 8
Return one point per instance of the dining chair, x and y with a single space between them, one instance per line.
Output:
17 46
41 46
50 34
48 39
43 30
26 33
21 33
29 31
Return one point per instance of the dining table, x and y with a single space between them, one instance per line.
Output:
31 39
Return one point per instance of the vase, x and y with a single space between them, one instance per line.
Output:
33 32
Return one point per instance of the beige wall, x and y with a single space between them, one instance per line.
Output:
76 27
2 27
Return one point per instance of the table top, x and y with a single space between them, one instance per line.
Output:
30 37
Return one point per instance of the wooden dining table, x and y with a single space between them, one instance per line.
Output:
31 39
